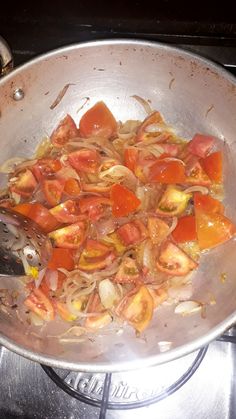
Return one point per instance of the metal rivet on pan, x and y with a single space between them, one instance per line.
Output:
18 94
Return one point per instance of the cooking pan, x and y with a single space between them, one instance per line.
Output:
194 95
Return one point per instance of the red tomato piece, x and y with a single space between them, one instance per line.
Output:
124 201
158 229
46 168
195 175
53 190
95 256
84 160
40 304
206 203
128 272
154 118
137 308
213 229
25 184
67 212
61 258
72 187
39 214
101 318
185 230
94 206
167 171
98 121
174 261
129 233
131 158
70 237
65 131
173 202
213 166
201 145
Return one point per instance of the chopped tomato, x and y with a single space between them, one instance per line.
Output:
24 184
201 145
72 187
61 258
67 212
98 121
213 166
46 168
40 304
174 261
213 229
206 203
195 175
84 160
39 214
185 231
7 203
167 171
154 118
137 308
64 313
95 255
131 158
157 229
173 202
124 201
70 237
94 206
128 272
101 318
132 233
53 190
65 131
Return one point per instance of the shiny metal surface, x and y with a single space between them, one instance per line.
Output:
27 392
194 95
6 57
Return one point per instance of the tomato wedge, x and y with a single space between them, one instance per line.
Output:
70 237
185 231
98 121
72 187
206 203
46 168
128 272
167 171
61 258
95 255
25 184
132 233
157 229
65 131
131 158
137 308
154 118
213 166
94 206
201 145
64 313
40 304
39 214
124 201
53 190
196 175
173 202
84 160
102 318
67 212
174 261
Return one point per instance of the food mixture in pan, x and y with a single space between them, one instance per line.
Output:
129 208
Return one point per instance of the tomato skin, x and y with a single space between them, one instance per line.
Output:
167 172
70 237
173 202
53 190
45 168
128 272
72 187
174 261
131 158
98 121
95 255
25 184
39 214
84 160
65 131
201 145
137 308
206 203
61 258
154 118
94 206
157 229
213 166
124 201
67 212
40 304
131 233
99 320
185 230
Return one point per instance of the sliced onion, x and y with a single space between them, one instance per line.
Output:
16 197
181 293
188 307
67 172
164 346
173 225
128 129
146 106
153 128
201 189
9 165
174 159
108 293
119 172
40 277
105 227
52 279
43 148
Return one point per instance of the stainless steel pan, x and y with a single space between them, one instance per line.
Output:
194 95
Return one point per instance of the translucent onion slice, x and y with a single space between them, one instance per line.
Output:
146 106
188 307
117 173
9 165
201 189
108 293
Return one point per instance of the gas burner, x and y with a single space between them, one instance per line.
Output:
125 390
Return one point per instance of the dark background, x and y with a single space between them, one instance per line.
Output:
206 27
